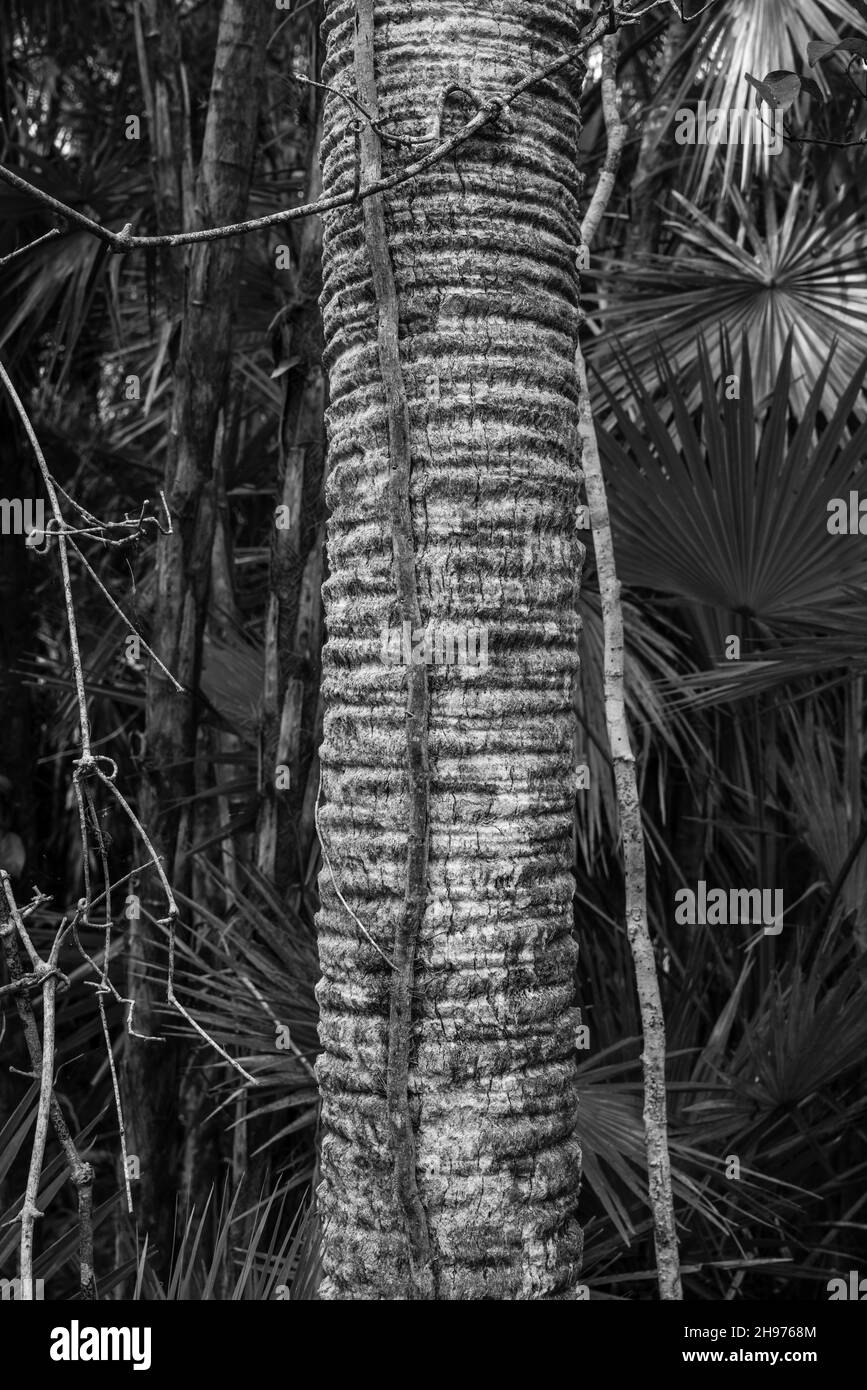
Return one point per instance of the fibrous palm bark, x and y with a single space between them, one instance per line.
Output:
478 799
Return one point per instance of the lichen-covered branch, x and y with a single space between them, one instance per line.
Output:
124 240
41 1053
626 785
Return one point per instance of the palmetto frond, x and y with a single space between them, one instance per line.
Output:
801 276
730 523
823 780
749 36
250 985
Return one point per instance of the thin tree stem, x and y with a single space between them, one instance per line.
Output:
626 785
80 1173
44 1069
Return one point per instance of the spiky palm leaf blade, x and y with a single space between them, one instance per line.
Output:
823 781
730 522
746 36
278 1259
615 1160
812 1036
802 276
249 984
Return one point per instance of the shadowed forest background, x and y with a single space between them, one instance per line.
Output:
726 306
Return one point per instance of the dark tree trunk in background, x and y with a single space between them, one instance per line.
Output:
201 366
293 631
649 180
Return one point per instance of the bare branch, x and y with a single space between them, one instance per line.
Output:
124 240
80 1173
151 653
29 1211
54 235
623 758
64 561
616 130
90 764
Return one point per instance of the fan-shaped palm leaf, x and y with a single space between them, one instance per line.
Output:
804 276
823 780
732 521
749 36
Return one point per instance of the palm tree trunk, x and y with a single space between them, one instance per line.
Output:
450 1163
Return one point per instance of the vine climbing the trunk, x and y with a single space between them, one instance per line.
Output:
409 921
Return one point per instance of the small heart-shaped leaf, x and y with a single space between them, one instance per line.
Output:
856 46
812 87
763 92
785 87
817 49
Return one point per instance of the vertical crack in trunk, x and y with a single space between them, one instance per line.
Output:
418 698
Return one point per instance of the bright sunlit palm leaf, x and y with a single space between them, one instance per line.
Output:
755 36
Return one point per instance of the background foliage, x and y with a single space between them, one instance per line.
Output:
716 263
